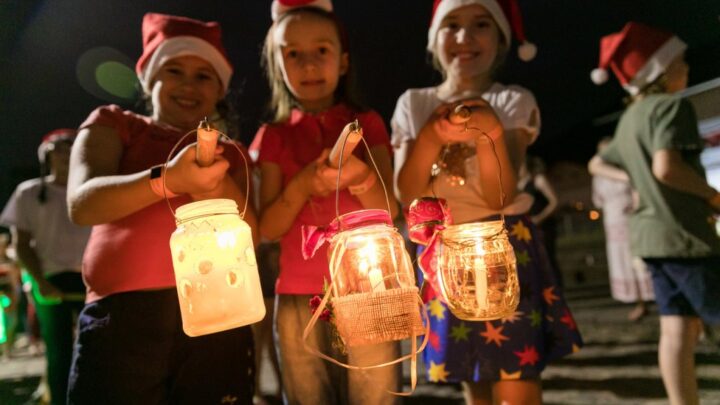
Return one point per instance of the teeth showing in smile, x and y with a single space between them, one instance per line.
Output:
184 102
465 55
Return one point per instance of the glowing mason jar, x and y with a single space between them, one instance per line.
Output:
374 294
476 271
215 269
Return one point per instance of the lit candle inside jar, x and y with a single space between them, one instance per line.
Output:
369 266
481 290
376 279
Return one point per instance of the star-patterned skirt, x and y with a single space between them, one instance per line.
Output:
516 347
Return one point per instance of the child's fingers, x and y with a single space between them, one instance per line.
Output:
323 156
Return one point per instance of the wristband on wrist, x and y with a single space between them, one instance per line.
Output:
364 186
156 183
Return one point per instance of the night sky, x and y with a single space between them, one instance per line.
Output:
49 51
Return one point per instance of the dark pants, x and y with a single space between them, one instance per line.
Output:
131 349
57 322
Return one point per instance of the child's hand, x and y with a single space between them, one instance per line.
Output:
310 178
482 118
185 176
354 171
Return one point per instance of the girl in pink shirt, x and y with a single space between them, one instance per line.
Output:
308 66
130 347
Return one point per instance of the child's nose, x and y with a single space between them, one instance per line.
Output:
462 35
308 62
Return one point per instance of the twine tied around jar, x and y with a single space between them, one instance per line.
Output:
380 315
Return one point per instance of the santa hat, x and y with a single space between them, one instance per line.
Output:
52 138
166 37
280 7
500 13
638 55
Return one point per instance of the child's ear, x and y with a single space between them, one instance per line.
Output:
344 63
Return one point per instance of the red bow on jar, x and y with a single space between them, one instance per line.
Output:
425 218
313 236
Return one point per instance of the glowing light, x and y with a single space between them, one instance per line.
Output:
594 215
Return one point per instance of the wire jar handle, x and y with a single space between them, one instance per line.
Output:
374 165
204 124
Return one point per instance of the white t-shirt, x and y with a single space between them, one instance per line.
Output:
58 242
514 106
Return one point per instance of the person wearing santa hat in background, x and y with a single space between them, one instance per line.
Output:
501 360
131 347
658 145
308 65
50 248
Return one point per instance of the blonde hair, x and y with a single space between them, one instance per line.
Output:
282 101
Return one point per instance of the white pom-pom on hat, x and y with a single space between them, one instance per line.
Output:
527 51
638 55
599 76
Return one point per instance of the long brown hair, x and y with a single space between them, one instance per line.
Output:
283 101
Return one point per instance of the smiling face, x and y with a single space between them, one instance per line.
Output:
311 58
184 91
468 42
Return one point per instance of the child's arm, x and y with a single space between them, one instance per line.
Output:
362 181
598 167
543 185
414 160
669 168
27 254
97 194
279 206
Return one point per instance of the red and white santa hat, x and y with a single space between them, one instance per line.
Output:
638 55
500 11
167 36
54 137
280 7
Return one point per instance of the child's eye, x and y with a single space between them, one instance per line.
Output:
452 25
323 50
482 24
203 76
291 54
173 70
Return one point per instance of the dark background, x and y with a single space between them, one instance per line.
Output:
41 43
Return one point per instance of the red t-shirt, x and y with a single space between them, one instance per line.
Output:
133 253
292 146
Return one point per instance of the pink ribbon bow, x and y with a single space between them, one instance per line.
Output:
314 236
425 218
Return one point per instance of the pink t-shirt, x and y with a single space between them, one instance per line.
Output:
133 253
292 146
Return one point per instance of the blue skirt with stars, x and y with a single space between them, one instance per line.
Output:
516 347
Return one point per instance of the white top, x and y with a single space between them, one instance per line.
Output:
58 242
514 106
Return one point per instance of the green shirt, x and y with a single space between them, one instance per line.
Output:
667 223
